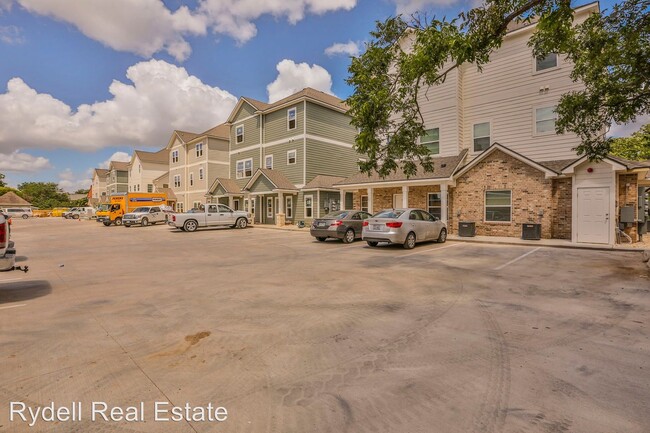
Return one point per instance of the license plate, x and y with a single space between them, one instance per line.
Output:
322 224
376 227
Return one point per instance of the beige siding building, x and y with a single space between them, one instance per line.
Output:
144 167
98 191
499 165
117 180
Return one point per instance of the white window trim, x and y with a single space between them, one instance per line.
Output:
429 194
543 71
269 209
199 146
177 181
265 158
175 156
361 203
294 109
242 133
541 134
439 140
288 205
307 207
201 176
243 161
295 157
191 179
491 136
485 207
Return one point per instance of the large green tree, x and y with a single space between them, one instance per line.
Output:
610 51
44 195
2 180
635 147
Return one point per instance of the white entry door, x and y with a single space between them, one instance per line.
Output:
593 215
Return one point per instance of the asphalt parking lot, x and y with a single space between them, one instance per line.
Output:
293 335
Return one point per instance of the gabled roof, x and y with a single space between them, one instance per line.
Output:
229 185
160 157
443 168
557 164
219 131
498 147
162 178
277 179
618 162
323 182
119 166
168 192
186 136
307 93
10 198
101 172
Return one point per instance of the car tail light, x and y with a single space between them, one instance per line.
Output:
174 218
365 223
394 224
337 223
3 235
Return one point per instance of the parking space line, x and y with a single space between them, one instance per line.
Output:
12 306
517 259
10 280
432 249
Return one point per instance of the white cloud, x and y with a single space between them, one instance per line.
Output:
117 156
628 129
18 161
235 18
293 77
11 35
69 183
350 48
162 97
5 5
143 27
408 7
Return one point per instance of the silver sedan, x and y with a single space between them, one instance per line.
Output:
403 226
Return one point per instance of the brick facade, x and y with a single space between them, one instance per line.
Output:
562 209
628 195
383 197
532 196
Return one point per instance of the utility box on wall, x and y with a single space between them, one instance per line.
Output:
531 231
627 215
466 229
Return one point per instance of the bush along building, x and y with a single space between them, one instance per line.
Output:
285 158
500 168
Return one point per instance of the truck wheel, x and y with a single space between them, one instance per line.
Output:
25 216
118 221
145 222
107 223
190 226
127 225
75 217
241 223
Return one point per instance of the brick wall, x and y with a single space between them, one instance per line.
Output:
628 196
562 214
531 193
383 197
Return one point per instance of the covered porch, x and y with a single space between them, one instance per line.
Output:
272 198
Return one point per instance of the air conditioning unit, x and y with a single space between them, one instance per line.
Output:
466 229
531 232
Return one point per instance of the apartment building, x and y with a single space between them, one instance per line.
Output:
144 167
195 161
498 162
98 191
286 156
117 180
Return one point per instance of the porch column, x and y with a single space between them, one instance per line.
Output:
443 202
342 198
231 202
281 202
370 200
280 219
405 196
317 204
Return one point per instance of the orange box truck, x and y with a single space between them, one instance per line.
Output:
126 202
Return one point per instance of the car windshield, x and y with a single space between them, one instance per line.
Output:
336 215
391 213
141 209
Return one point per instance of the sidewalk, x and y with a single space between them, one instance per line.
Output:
557 243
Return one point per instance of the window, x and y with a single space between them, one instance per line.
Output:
289 206
196 205
364 203
149 187
235 203
244 168
174 156
199 150
239 134
291 157
498 205
545 120
139 168
268 162
431 139
434 204
213 208
179 207
246 205
223 208
177 181
191 179
548 62
200 174
269 207
481 136
309 206
291 118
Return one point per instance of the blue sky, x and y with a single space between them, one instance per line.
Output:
187 62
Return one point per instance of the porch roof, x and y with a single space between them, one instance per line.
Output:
229 185
277 179
323 182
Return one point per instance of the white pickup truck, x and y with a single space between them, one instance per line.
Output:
212 215
7 252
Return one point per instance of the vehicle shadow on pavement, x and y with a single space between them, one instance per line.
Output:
24 290
21 259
